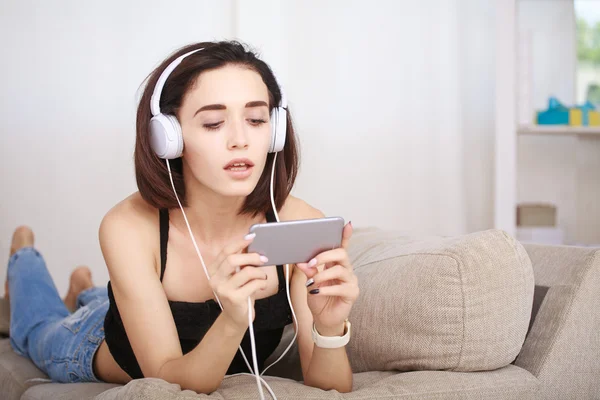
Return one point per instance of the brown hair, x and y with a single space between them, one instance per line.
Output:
151 172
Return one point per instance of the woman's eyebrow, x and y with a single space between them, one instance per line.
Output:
257 103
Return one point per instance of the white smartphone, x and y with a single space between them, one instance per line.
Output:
292 242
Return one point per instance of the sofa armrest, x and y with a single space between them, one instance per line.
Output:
562 348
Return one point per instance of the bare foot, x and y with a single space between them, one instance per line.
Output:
81 279
22 237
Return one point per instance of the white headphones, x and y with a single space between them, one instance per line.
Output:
165 131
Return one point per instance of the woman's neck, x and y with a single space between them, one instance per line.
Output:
213 218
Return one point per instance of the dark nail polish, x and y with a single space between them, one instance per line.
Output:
314 291
310 282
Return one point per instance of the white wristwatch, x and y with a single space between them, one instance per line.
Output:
332 342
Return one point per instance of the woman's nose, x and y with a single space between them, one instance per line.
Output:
237 136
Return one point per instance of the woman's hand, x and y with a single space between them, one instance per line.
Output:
333 290
235 276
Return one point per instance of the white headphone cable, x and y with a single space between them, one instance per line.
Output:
251 326
198 252
287 275
287 284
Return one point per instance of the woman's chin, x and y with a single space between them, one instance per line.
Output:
239 189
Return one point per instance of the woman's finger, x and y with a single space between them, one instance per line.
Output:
347 291
251 288
347 234
235 247
309 272
335 256
247 274
229 265
336 272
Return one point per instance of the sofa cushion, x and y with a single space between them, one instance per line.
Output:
17 373
67 391
563 348
504 384
439 303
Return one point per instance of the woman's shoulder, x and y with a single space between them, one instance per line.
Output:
132 219
295 208
132 210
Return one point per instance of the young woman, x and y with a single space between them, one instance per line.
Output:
158 316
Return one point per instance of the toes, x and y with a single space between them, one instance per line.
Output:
82 272
23 233
22 237
81 277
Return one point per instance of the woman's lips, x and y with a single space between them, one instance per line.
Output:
239 171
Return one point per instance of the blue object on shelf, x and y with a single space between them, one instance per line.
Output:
554 104
556 114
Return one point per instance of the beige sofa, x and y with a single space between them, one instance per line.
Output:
438 318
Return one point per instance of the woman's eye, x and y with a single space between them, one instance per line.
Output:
212 127
216 125
257 122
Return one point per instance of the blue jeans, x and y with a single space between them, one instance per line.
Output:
42 329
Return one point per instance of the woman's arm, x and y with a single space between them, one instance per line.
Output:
203 368
323 368
126 240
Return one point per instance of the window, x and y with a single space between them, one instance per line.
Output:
587 13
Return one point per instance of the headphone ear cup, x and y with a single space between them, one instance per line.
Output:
279 127
177 136
165 136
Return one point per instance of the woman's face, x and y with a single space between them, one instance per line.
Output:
225 121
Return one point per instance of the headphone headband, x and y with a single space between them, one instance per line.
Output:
165 131
155 99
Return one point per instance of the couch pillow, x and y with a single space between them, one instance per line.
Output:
439 303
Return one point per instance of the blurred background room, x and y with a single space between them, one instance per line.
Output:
429 117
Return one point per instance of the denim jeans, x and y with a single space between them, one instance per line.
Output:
42 329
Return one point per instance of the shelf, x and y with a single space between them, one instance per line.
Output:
561 130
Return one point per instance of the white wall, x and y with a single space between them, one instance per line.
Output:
393 106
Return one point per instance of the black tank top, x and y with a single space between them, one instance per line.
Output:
193 320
